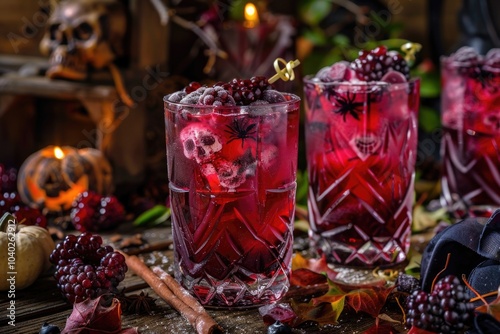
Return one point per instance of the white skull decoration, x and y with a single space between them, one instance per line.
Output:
200 143
82 33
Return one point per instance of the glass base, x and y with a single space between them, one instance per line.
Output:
235 293
368 254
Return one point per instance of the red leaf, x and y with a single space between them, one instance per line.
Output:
92 317
317 265
369 301
306 277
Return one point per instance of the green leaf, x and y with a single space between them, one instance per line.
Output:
428 119
313 11
154 216
302 188
315 36
341 40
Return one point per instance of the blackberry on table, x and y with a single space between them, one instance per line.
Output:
407 283
85 268
445 310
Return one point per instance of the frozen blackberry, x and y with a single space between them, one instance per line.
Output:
467 61
372 65
93 212
445 310
272 96
193 97
407 283
217 96
85 268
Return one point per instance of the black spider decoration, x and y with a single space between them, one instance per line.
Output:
346 105
240 129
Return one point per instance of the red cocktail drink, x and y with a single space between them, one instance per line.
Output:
361 140
232 172
470 102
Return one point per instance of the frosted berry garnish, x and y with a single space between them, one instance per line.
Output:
216 96
272 96
373 65
94 212
235 92
336 72
492 61
85 268
445 310
467 60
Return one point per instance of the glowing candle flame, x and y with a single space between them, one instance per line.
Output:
251 16
58 153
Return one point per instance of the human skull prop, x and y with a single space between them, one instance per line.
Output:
200 143
83 33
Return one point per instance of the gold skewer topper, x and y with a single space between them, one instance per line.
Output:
285 73
410 49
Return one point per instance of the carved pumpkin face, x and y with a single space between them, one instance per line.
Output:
52 177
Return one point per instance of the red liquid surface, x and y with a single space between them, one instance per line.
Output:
471 141
361 172
233 208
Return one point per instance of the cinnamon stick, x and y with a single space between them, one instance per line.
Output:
175 296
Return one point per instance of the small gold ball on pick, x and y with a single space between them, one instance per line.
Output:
411 49
285 73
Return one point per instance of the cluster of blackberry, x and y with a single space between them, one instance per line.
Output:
373 65
445 310
85 268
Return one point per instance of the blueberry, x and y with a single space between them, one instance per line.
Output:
49 329
279 328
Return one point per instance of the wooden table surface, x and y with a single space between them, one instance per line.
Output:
42 302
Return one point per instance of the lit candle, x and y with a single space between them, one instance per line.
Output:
58 153
251 16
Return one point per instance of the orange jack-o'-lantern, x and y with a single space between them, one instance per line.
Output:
52 177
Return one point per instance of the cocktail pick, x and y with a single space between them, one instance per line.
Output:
285 73
410 49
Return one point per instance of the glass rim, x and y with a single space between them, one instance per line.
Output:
230 109
359 85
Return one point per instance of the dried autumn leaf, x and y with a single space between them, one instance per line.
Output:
322 313
368 300
92 316
306 277
317 265
492 308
